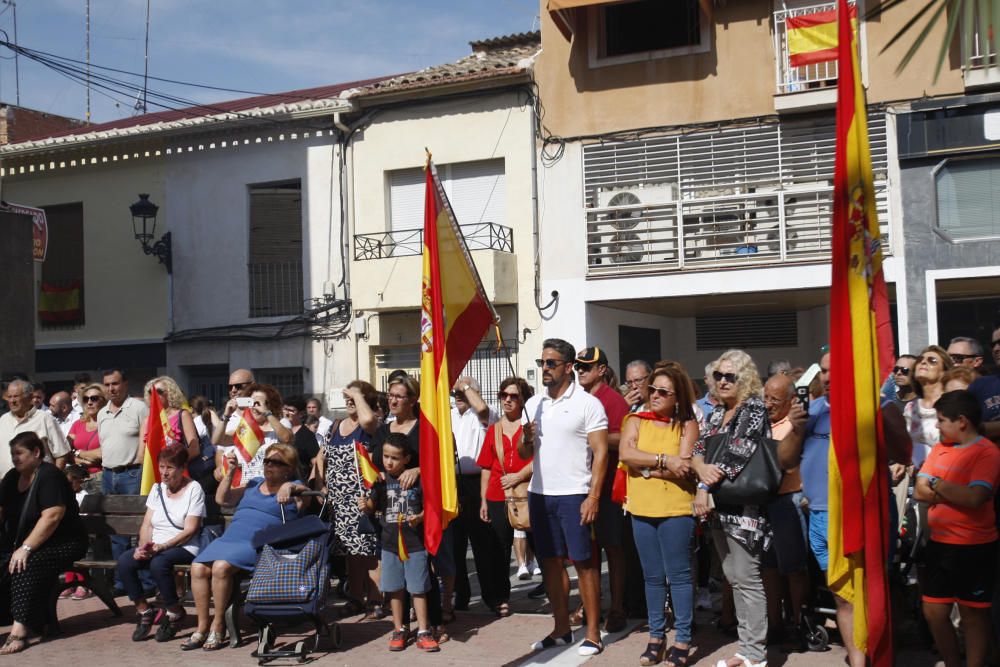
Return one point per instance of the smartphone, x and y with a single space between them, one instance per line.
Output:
244 402
148 546
802 394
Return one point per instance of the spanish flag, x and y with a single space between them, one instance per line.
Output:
455 314
157 427
860 356
367 469
60 305
812 38
247 439
404 554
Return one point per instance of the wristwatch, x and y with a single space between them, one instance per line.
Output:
644 472
933 483
26 548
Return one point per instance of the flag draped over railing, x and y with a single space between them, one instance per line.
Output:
812 38
157 428
454 316
860 356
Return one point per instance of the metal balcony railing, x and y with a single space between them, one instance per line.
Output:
980 45
808 77
784 226
275 288
408 242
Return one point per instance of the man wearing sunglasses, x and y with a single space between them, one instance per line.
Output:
239 387
469 419
966 351
591 369
986 389
898 388
567 433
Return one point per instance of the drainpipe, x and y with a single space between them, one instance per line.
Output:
536 240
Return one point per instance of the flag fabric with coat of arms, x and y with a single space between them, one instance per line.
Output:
366 469
157 427
247 439
860 356
455 314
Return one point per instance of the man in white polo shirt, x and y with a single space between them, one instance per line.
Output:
23 416
568 435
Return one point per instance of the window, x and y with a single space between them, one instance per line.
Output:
635 31
275 268
968 199
476 191
60 298
288 381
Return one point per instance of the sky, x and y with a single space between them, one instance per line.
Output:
253 45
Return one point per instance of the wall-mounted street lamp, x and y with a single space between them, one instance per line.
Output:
144 227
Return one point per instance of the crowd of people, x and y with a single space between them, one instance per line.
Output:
670 483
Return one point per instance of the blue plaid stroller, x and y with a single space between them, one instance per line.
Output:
289 585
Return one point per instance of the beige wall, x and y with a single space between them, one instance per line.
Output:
125 291
734 79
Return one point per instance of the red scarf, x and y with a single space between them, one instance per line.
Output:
653 416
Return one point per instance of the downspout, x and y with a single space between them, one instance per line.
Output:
535 233
344 133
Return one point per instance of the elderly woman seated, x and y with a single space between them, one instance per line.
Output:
42 536
258 505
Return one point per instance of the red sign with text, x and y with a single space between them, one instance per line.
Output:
39 228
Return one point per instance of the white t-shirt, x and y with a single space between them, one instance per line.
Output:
254 467
469 434
561 466
190 502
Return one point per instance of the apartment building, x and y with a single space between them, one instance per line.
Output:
686 170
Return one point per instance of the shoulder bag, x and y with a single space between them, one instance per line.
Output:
207 534
759 480
516 496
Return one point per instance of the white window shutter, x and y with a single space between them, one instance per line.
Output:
406 199
477 192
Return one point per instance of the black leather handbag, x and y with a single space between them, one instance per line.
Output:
757 483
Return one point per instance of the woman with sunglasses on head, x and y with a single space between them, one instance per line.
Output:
921 418
738 531
502 470
265 410
182 430
657 447
84 439
258 505
336 468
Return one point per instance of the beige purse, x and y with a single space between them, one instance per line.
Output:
516 496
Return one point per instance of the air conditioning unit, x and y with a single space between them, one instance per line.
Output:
624 210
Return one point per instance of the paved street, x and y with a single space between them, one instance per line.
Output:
478 638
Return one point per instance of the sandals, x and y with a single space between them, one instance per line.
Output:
7 648
549 641
578 617
194 641
215 641
746 662
653 655
677 657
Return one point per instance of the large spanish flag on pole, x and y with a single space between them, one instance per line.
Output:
455 314
157 428
860 357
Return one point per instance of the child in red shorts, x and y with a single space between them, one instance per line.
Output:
958 481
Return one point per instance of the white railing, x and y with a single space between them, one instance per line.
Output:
784 226
980 47
807 77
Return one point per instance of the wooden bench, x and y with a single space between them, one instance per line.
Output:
121 516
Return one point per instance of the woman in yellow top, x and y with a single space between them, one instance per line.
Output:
656 448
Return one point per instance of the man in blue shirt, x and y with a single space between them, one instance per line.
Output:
987 391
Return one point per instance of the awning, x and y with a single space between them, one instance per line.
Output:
562 12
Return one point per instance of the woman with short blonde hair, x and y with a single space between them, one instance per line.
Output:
182 429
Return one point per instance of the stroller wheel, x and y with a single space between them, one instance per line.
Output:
265 642
817 638
302 651
335 636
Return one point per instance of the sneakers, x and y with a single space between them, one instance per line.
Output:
397 640
68 593
523 572
426 642
549 641
533 567
169 626
143 624
589 648
82 593
703 600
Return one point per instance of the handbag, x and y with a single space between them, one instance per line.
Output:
619 488
759 480
516 496
281 575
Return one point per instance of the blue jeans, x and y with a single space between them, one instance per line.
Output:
161 566
664 546
125 483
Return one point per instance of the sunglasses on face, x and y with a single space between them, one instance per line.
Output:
900 370
663 393
275 462
457 393
549 363
503 396
933 361
161 391
959 358
92 399
238 386
582 368
637 382
995 343
728 377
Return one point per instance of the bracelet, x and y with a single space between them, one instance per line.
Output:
591 495
704 487
26 548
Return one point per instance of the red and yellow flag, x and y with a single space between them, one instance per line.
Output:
812 38
60 305
367 469
157 428
404 554
247 439
860 356
455 314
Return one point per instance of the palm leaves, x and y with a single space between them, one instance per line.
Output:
970 20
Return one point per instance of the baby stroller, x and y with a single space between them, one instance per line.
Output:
289 585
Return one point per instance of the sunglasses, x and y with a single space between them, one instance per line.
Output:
900 370
93 399
933 361
238 386
637 382
728 377
582 367
549 363
456 393
161 391
275 462
503 396
663 393
959 358
995 343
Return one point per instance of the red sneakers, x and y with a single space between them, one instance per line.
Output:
397 640
426 642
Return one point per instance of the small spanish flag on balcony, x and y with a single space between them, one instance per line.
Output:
812 38
60 304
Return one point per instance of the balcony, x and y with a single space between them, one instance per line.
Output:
275 288
395 285
763 228
981 64
408 242
811 86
